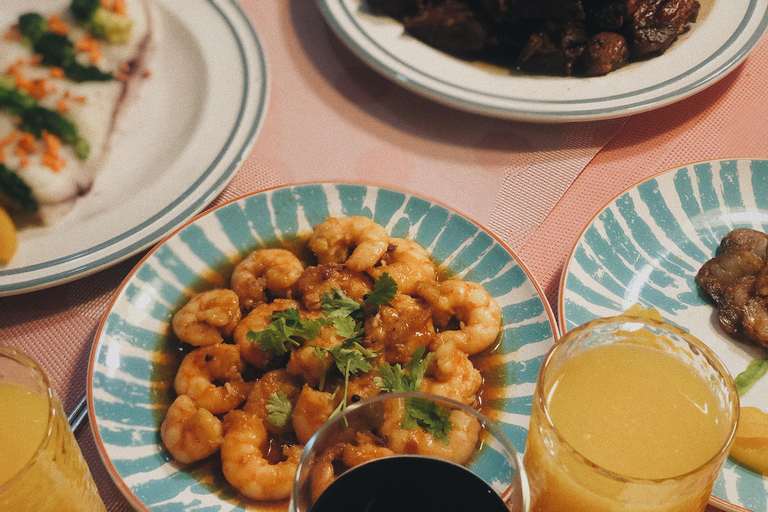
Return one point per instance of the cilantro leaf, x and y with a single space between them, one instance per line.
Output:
351 357
336 304
432 417
279 409
286 325
395 379
384 290
348 328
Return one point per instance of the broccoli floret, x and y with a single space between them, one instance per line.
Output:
14 192
110 26
32 26
58 50
83 10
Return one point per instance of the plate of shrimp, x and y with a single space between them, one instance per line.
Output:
241 333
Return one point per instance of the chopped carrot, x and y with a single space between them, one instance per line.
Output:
91 46
26 145
36 59
121 76
58 25
12 34
10 138
38 89
125 67
61 106
23 161
52 142
104 4
119 7
55 163
57 72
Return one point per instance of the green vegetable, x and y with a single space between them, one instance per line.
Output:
83 10
32 26
279 409
111 26
432 417
754 372
35 119
14 192
285 326
58 50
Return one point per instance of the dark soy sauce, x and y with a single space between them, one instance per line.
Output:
409 484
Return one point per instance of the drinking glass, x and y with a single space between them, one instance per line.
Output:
46 471
563 479
474 464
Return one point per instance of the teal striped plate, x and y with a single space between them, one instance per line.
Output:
134 356
646 246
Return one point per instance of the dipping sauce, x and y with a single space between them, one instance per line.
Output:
23 424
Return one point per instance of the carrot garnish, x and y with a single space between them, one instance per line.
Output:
57 72
12 34
57 25
119 7
91 46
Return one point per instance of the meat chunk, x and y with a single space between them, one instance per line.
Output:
555 49
450 26
655 24
755 320
721 271
746 239
605 52
732 303
397 9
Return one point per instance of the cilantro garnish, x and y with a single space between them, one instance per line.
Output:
430 416
279 409
384 290
285 326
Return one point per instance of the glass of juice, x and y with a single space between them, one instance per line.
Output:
629 414
41 466
411 452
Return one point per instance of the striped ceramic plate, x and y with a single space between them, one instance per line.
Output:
134 357
646 246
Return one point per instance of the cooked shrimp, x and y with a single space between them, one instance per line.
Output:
313 408
207 318
203 368
365 448
317 281
463 437
452 374
256 320
478 314
324 471
274 381
400 327
333 239
311 365
244 464
407 263
190 433
265 274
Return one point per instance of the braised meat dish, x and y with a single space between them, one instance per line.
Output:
552 37
736 280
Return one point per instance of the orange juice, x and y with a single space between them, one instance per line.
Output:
23 424
627 426
41 466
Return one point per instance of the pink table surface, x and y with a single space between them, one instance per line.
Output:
331 118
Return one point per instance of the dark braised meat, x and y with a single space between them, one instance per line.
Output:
605 52
737 282
450 26
555 49
655 24
553 37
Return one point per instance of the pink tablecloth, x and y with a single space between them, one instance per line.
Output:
330 118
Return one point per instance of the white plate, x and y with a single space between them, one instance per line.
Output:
647 245
180 144
135 356
724 34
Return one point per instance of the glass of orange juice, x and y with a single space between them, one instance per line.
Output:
629 414
41 466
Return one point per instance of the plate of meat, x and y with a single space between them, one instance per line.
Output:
117 122
689 242
358 279
550 61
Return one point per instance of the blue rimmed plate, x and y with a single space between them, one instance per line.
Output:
724 34
646 246
134 357
182 140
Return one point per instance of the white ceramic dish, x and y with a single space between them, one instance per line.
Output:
180 144
135 356
646 246
723 36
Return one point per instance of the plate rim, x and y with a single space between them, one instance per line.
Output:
96 341
713 500
411 80
192 201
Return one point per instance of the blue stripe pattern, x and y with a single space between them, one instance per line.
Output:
135 356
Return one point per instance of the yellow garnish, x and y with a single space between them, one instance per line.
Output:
8 240
637 310
751 445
